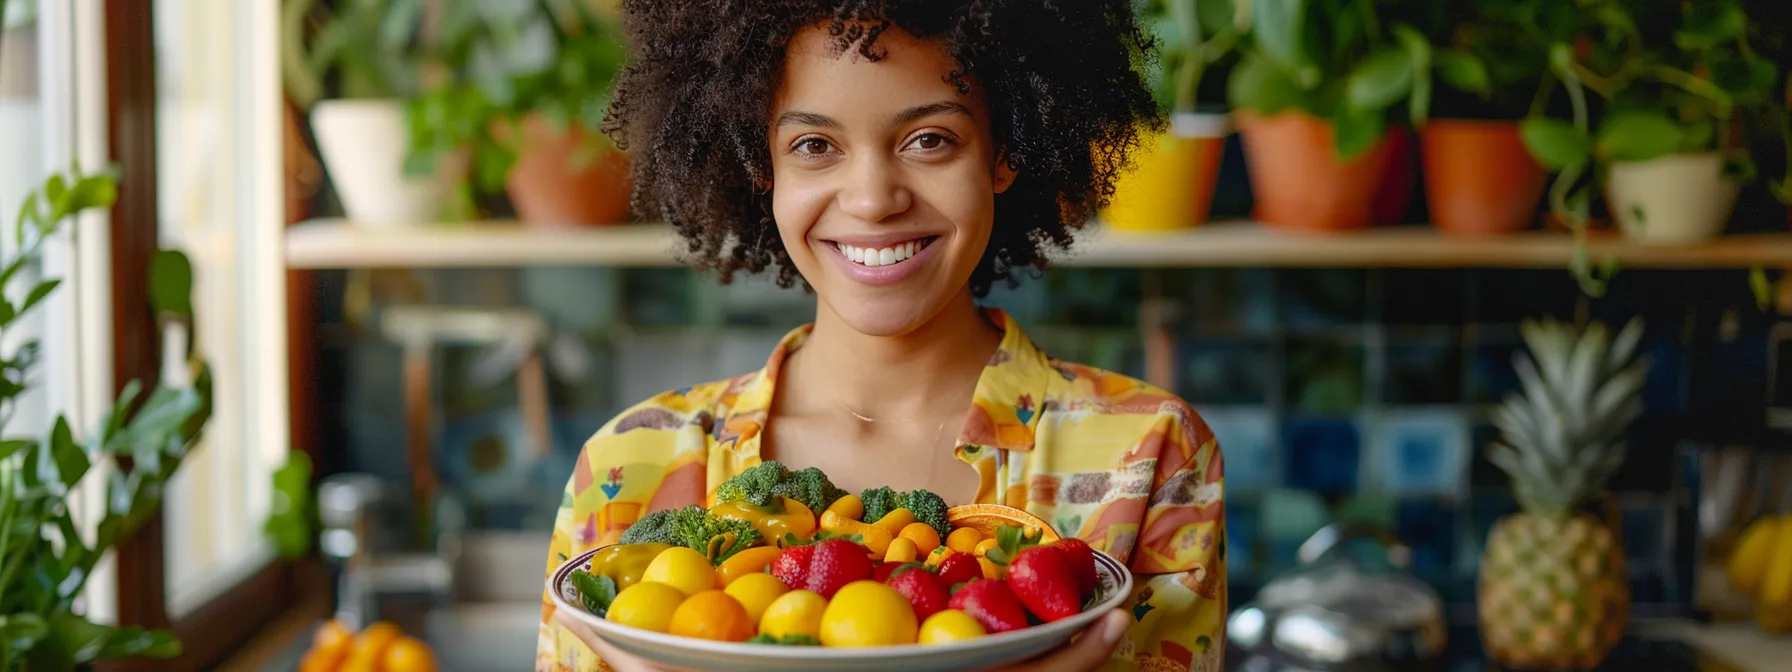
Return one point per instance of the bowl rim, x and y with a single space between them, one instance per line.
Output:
612 631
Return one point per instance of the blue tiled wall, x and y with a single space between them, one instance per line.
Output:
1335 392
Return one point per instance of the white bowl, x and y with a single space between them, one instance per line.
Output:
697 654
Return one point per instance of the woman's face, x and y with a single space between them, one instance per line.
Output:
883 178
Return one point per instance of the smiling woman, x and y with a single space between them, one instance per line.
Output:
900 158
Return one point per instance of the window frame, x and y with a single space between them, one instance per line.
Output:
213 632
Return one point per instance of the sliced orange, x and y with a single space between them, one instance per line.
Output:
987 518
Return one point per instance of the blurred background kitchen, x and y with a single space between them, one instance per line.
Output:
405 259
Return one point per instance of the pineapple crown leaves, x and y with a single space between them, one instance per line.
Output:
1010 541
1561 439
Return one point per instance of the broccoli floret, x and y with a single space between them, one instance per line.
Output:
653 528
878 502
811 487
754 485
928 508
695 528
760 484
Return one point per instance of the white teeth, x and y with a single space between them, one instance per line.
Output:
880 256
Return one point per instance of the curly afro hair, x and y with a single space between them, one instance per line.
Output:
1063 80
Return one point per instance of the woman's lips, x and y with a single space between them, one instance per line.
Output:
883 264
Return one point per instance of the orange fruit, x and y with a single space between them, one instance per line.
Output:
370 646
756 592
333 634
712 614
987 518
408 654
323 660
965 539
924 536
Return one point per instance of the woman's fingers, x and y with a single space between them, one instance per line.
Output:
1088 652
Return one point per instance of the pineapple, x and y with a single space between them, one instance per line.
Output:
1553 591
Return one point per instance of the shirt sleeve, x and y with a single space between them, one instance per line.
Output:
1179 603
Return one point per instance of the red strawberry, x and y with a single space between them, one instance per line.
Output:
1042 578
792 566
992 603
837 562
958 568
923 590
1082 562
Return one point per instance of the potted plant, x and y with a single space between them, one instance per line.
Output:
1172 186
46 554
370 50
1492 60
526 92
1317 89
1552 591
1675 82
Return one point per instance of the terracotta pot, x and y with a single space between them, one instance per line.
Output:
1299 181
1479 177
1171 186
548 186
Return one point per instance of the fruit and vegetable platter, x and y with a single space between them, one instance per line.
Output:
785 571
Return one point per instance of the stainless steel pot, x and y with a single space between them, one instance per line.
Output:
1332 613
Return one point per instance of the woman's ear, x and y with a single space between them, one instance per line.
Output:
1003 175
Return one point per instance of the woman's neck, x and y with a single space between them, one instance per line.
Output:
930 371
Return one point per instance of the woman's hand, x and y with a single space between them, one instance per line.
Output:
1088 652
613 657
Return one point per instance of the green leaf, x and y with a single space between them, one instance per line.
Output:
1464 72
1555 143
596 591
1418 50
1217 16
1635 135
171 283
61 462
1258 85
20 632
1380 80
11 447
1709 24
38 294
1355 131
135 642
784 640
92 191
1279 27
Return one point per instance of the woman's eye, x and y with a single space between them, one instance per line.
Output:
813 146
931 141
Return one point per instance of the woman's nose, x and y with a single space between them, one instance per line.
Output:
874 191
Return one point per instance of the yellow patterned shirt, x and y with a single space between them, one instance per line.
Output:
1126 466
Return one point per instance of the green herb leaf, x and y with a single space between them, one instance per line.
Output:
20 632
785 640
1555 143
1356 131
1636 135
1464 72
1380 80
597 591
1709 24
171 283
1279 27
1259 85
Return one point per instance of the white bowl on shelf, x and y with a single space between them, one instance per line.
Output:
975 654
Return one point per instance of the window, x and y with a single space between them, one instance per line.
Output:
220 200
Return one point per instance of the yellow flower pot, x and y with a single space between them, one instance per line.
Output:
1171 184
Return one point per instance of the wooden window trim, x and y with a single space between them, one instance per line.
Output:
212 633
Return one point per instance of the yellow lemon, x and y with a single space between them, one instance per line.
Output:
1748 563
682 568
756 592
950 625
797 612
868 613
647 605
964 539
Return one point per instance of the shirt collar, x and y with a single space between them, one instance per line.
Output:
1007 403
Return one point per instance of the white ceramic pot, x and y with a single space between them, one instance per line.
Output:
1673 200
363 143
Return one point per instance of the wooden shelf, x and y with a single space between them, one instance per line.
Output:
334 243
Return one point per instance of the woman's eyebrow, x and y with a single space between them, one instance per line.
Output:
920 112
807 119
